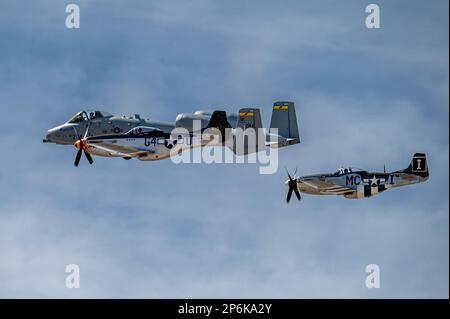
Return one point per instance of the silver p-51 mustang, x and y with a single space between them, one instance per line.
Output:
356 183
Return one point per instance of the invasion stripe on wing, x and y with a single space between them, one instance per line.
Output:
336 188
337 193
339 190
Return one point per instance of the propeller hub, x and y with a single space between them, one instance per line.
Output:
83 147
81 144
292 184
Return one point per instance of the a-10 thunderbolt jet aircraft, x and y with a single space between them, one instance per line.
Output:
102 134
356 183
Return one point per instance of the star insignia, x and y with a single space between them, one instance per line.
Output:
374 181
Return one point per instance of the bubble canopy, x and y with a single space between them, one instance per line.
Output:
343 170
88 115
347 170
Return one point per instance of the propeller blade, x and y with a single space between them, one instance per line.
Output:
77 158
289 194
87 130
76 133
287 172
297 193
292 183
89 157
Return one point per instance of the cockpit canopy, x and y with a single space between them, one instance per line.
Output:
142 130
88 115
344 170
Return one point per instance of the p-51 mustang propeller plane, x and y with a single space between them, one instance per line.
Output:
355 183
105 134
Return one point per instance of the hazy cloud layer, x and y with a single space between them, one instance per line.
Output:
155 229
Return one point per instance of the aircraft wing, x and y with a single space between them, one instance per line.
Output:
338 190
327 187
282 142
117 150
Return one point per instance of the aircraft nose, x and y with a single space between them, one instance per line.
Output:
50 136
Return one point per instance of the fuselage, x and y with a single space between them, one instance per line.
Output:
148 146
100 123
354 184
103 123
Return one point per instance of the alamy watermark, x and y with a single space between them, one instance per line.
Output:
73 19
373 17
73 277
373 279
209 146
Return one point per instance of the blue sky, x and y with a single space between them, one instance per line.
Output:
155 229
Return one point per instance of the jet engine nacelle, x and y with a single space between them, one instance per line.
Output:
231 117
186 120
204 112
